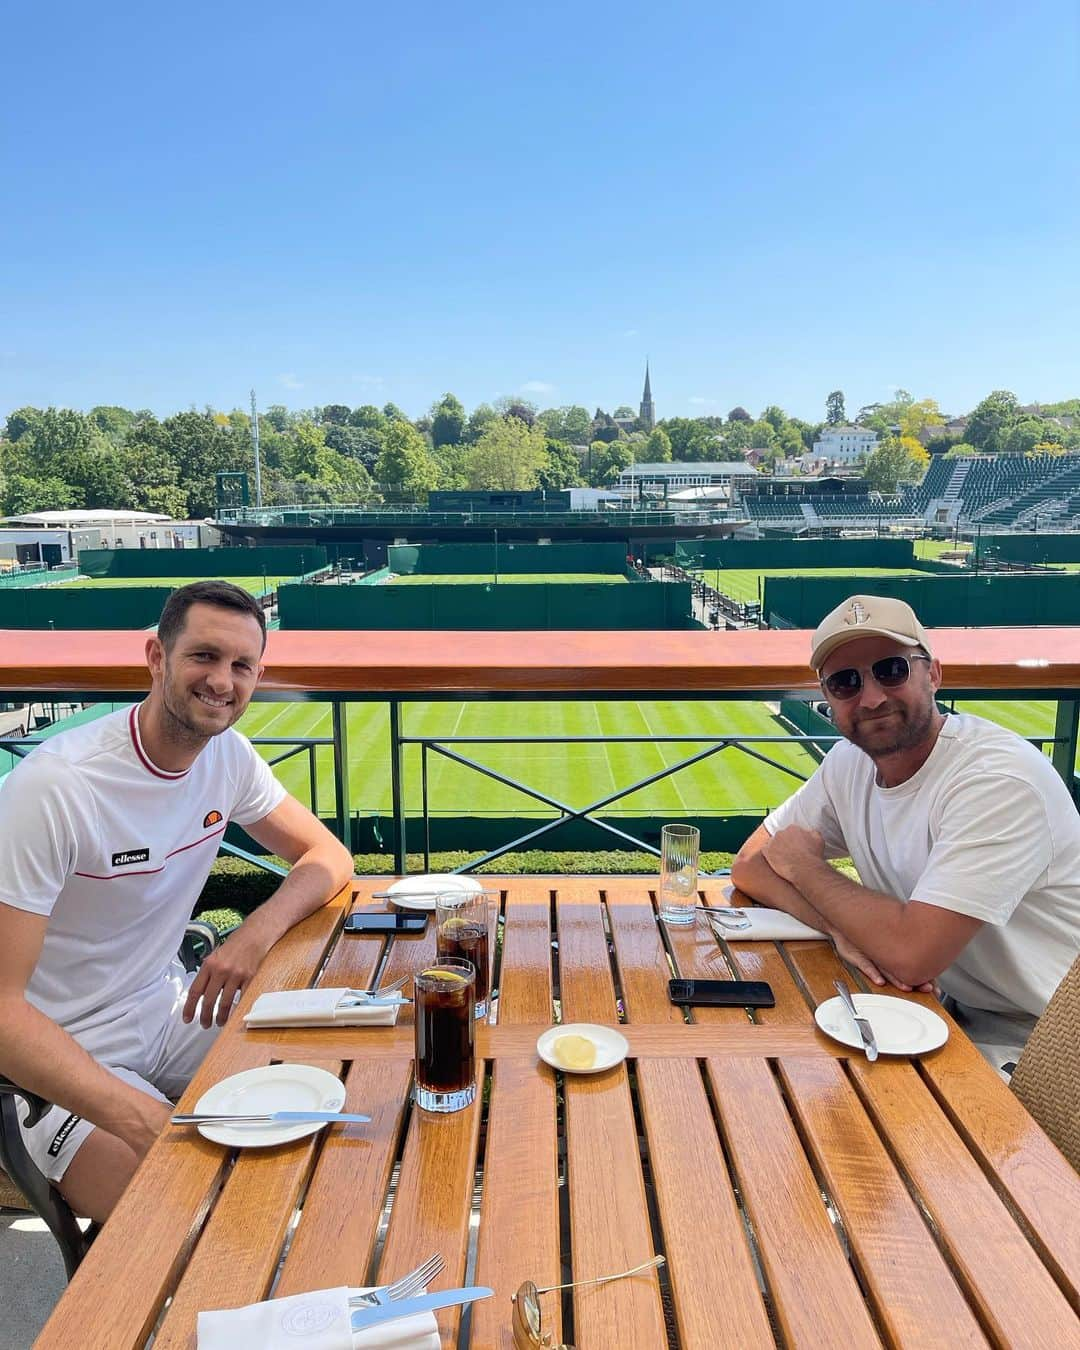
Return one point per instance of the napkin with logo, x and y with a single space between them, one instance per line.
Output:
319 1320
317 1008
766 925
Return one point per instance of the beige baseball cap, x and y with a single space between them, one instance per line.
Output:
867 616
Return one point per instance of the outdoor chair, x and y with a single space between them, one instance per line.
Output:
22 1185
1047 1075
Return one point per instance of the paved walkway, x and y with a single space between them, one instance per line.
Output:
31 1278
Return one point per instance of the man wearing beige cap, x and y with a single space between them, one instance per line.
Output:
965 839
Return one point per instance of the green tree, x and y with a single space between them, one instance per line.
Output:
609 458
657 447
739 414
604 427
893 461
991 419
114 423
1025 434
959 449
508 456
480 419
692 439
356 442
452 462
776 418
23 495
447 421
335 414
393 413
834 409
570 423
624 412
368 418
560 468
405 465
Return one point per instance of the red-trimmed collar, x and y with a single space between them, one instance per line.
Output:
143 757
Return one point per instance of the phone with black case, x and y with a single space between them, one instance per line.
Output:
722 993
398 924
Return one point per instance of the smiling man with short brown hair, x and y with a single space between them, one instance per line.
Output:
107 834
965 839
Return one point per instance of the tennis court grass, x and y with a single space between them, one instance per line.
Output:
256 585
509 578
748 586
729 781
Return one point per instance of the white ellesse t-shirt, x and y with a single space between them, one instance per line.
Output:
986 828
116 852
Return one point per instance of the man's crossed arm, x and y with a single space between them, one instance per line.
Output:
907 943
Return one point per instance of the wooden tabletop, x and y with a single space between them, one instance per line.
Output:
317 663
802 1196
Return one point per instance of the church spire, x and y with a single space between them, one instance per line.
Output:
647 412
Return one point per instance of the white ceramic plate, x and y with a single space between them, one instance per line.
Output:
900 1027
611 1046
419 892
275 1087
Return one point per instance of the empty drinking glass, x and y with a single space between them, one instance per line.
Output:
679 846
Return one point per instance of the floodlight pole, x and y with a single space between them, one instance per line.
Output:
495 532
255 445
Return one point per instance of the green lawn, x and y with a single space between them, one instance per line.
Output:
256 585
509 578
730 781
748 585
934 548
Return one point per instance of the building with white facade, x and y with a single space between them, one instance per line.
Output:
845 444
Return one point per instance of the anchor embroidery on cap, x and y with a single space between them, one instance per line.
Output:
856 613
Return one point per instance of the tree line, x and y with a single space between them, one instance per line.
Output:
60 458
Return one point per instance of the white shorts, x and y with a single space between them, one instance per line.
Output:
153 1050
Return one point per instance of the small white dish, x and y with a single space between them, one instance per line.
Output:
611 1046
900 1026
274 1087
419 892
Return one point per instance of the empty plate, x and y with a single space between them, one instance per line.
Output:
274 1087
419 892
900 1026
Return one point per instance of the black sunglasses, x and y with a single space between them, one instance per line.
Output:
890 673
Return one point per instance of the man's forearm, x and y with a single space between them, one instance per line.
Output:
43 1058
754 876
870 919
313 879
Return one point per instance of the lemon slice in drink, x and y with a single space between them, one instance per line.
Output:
441 973
575 1052
452 927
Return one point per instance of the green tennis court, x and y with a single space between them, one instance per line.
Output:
508 579
256 585
747 586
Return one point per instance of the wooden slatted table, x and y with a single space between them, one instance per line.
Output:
803 1197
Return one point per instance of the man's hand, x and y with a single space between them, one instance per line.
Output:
791 850
154 1117
223 975
847 951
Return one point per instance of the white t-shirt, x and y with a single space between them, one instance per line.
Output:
986 827
116 851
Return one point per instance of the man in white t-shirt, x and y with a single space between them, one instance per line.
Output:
965 839
107 834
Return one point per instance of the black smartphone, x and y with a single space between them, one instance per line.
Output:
722 993
386 923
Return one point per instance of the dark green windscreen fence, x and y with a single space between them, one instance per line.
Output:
510 557
83 607
966 601
765 553
285 561
488 607
1037 548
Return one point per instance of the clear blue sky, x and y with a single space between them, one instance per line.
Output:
359 203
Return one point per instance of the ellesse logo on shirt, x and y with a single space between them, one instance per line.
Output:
131 855
212 818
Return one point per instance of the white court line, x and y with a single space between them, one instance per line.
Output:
663 759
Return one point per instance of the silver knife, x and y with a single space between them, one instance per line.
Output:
862 1026
405 1307
268 1118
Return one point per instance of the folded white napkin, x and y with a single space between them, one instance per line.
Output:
315 1321
317 1008
766 925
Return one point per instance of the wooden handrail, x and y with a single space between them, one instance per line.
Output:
540 662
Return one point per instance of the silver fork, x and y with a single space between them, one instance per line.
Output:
384 992
403 1288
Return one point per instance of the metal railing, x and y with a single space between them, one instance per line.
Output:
1062 745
